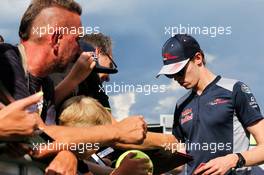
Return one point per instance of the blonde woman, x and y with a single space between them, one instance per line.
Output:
82 111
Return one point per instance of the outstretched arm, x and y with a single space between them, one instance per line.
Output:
152 141
129 130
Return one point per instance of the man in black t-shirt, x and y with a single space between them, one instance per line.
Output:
21 84
24 70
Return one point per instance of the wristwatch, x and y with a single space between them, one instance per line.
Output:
241 161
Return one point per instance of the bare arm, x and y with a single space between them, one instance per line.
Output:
80 70
152 141
129 130
256 155
253 157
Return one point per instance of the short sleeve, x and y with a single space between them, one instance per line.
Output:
246 106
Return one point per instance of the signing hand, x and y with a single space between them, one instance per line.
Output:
218 166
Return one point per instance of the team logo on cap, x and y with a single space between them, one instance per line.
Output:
168 56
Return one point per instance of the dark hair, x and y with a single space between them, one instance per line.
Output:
37 6
1 39
99 40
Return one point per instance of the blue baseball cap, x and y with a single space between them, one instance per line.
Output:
176 53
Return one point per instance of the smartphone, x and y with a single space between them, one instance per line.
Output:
98 160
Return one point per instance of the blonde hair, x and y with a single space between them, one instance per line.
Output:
82 111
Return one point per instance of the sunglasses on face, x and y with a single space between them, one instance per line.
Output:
113 64
85 47
181 73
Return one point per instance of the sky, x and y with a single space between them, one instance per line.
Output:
230 33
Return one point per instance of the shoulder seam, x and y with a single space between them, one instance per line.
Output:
227 83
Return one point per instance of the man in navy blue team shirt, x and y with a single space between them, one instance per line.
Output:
215 118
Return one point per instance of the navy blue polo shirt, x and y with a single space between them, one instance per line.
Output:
214 123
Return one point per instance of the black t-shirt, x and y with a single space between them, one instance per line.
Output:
20 85
93 87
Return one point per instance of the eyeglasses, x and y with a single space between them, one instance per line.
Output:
113 64
98 68
181 73
102 69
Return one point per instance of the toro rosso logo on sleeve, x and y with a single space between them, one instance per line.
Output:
186 115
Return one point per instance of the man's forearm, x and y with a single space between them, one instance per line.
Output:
64 88
104 135
152 141
254 156
129 130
